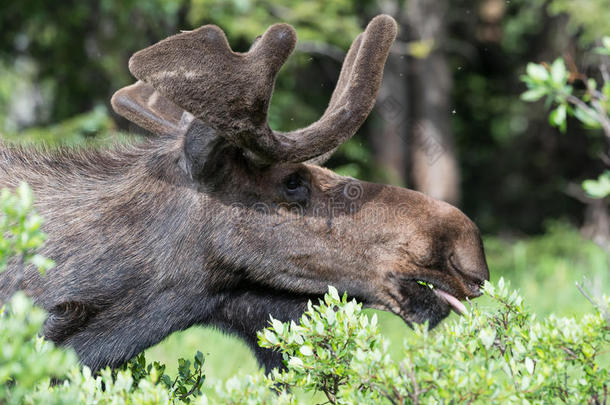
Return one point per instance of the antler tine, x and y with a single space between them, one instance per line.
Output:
346 72
230 91
353 97
344 76
144 106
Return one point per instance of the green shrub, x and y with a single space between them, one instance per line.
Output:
503 355
500 355
546 267
34 371
26 360
20 233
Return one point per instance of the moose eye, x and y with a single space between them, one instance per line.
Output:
293 182
295 189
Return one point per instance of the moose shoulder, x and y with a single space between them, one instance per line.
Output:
220 220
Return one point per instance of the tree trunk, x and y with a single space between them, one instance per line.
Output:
434 165
389 141
597 223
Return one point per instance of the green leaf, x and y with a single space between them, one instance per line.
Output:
199 359
374 320
306 350
42 263
529 365
277 326
25 194
599 188
270 337
537 72
606 91
534 94
559 72
330 315
587 118
296 363
487 336
167 381
333 293
525 382
184 368
557 117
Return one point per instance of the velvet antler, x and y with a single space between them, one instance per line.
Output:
141 104
230 91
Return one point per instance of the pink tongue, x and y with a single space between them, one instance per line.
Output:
451 300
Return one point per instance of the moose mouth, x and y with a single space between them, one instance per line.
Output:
423 300
457 305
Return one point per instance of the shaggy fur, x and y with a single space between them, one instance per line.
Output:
187 229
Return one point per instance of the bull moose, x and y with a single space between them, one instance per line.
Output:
219 220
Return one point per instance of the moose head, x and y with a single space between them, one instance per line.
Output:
221 220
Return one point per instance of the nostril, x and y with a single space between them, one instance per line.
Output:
473 279
476 283
475 291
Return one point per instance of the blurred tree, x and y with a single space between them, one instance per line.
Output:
80 47
389 133
59 61
591 106
588 18
515 168
434 163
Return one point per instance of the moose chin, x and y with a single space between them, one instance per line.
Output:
216 219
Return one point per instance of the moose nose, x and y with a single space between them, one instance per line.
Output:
468 260
473 277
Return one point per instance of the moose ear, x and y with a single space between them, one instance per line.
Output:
141 104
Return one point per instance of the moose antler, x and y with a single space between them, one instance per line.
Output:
230 91
141 104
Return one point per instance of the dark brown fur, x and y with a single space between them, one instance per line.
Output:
187 228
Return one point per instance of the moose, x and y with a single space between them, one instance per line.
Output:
217 219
